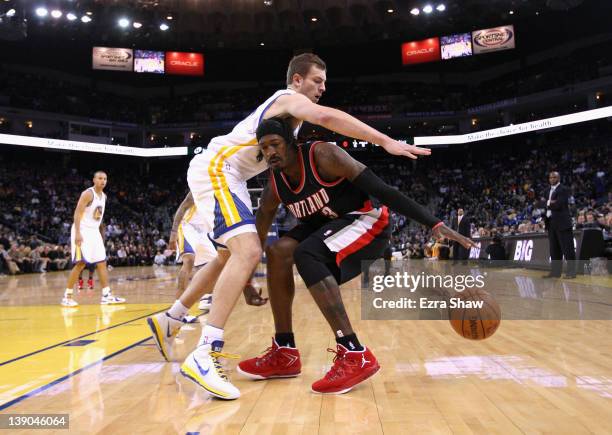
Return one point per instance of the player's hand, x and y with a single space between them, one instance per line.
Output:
253 297
398 148
172 241
78 239
447 233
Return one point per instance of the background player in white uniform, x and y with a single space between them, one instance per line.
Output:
217 178
194 248
87 243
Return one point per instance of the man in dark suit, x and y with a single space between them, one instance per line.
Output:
559 226
461 224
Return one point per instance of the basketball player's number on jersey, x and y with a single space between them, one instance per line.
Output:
329 213
98 213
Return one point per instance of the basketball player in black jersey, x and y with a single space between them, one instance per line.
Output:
329 193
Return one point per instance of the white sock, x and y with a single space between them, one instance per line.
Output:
210 334
178 310
106 291
68 292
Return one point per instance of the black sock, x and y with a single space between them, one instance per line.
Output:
284 339
351 342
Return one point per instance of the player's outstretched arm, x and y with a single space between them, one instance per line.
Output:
266 212
178 217
300 107
333 163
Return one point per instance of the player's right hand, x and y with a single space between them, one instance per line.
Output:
172 241
398 148
78 239
253 297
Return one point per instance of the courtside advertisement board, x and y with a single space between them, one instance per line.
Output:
114 59
427 50
494 39
186 64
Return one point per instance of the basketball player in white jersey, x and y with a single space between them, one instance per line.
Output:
87 243
217 179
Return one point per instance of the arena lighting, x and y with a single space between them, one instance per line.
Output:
169 17
11 13
511 12
41 12
314 19
163 27
428 9
390 11
137 25
70 16
85 19
415 11
123 22
441 7
56 13
542 124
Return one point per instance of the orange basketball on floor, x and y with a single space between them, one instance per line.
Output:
474 314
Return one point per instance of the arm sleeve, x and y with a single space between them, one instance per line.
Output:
374 186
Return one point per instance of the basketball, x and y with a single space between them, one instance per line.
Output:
472 322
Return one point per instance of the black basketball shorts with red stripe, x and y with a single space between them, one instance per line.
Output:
341 247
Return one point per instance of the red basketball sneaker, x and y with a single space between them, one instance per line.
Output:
276 362
80 287
350 368
90 284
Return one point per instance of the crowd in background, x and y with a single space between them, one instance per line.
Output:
37 203
499 194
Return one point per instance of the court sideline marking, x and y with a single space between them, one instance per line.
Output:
69 375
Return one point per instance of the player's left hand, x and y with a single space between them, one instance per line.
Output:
253 297
447 233
398 148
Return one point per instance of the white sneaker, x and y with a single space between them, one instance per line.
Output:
190 319
164 329
111 299
205 302
203 367
69 302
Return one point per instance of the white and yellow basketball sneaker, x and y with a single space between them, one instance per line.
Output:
202 366
111 299
164 329
69 302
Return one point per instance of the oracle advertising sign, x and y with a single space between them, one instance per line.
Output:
186 64
427 50
495 39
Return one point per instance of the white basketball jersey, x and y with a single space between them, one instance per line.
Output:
94 212
236 152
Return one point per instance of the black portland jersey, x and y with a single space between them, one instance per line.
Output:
315 201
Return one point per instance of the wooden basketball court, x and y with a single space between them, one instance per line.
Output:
99 365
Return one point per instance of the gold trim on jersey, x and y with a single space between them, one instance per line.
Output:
180 239
190 213
219 182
